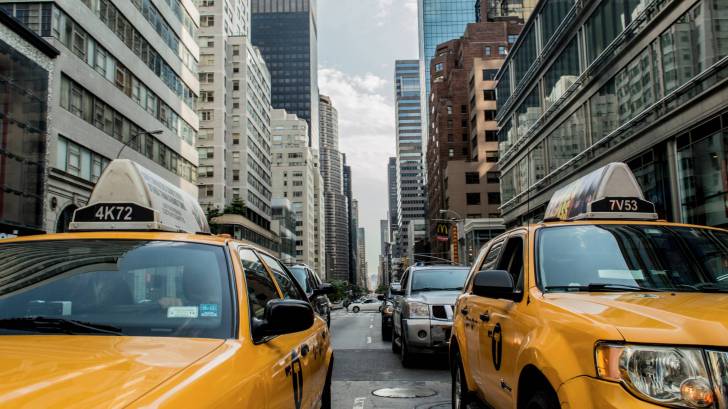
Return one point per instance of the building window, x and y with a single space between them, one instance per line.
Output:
207 115
236 85
236 156
472 178
236 139
489 115
236 50
502 50
207 96
79 161
206 77
207 21
567 141
489 74
492 177
236 175
487 51
491 136
513 37
451 152
562 74
494 198
438 67
489 95
491 156
472 199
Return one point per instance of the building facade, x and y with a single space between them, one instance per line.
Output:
352 209
361 258
286 33
630 81
296 178
410 171
335 201
27 63
125 84
462 149
392 192
234 110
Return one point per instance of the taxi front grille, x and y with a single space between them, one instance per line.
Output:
718 361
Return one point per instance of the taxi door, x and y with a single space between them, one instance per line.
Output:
471 308
286 376
502 329
308 347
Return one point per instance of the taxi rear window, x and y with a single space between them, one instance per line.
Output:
583 257
125 287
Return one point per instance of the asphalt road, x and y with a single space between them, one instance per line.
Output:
363 363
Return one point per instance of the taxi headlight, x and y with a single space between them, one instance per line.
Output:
417 310
669 376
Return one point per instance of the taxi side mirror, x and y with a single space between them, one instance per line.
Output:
323 289
284 317
494 284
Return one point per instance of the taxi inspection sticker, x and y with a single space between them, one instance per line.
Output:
208 310
182 312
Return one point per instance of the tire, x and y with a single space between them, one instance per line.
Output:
380 308
404 354
386 333
543 398
326 394
461 397
395 348
328 320
355 309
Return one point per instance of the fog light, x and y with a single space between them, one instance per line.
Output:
696 392
422 334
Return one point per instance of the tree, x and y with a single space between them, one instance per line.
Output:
236 207
382 289
212 212
340 290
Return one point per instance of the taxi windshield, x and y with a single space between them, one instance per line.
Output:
122 287
632 257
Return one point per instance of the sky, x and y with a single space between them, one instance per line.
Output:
358 42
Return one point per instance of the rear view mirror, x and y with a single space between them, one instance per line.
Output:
284 317
324 289
494 284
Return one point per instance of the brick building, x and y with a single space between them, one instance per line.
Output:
462 148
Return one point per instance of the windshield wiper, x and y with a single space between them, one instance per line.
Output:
603 287
704 287
62 325
438 289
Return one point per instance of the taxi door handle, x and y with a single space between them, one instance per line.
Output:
304 349
485 317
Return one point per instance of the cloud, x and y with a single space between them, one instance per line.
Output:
384 8
366 135
411 6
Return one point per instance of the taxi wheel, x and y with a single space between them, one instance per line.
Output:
355 309
460 395
543 398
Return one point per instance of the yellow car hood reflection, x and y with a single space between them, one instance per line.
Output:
655 318
90 371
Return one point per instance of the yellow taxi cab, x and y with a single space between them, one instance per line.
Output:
600 306
140 306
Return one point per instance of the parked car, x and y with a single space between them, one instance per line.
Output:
423 310
315 289
366 305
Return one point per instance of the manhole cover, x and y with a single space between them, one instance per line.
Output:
404 392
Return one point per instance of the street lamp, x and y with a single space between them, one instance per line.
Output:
445 211
136 135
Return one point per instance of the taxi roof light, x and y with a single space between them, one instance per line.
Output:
610 192
129 196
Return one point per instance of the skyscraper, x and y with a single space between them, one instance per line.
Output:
392 213
335 202
234 109
125 79
352 209
439 21
410 166
285 32
363 276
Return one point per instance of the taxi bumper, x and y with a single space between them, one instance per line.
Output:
587 393
425 335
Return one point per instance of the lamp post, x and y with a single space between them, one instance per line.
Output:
135 136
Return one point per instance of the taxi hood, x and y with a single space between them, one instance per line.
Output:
657 318
57 371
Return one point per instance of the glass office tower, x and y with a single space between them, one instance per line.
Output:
440 21
285 32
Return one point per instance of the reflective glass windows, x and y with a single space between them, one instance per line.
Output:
604 111
567 141
528 112
607 22
503 89
537 163
651 171
562 74
635 86
703 184
552 14
525 55
506 137
24 92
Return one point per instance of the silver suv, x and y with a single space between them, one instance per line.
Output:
423 309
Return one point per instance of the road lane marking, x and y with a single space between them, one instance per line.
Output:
371 326
359 403
369 340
